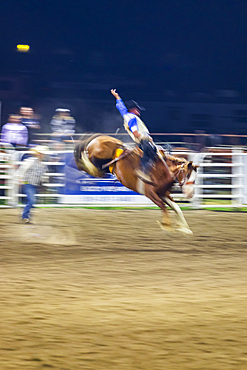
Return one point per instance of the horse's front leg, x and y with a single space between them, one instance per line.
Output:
181 222
166 221
165 224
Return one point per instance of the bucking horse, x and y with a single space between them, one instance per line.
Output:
98 154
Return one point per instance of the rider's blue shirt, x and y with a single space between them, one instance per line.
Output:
132 122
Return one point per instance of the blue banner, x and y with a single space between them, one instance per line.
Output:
84 189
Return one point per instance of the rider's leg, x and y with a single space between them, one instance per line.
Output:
149 154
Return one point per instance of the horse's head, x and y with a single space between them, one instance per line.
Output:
186 176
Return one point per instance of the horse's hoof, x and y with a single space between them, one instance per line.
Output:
166 228
185 230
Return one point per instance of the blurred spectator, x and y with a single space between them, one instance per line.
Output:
14 132
62 124
200 140
215 140
29 120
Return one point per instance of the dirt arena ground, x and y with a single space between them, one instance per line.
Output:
108 289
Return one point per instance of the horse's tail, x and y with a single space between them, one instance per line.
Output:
81 158
88 166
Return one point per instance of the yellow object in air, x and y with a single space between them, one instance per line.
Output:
23 48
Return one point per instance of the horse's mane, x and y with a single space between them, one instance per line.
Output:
176 160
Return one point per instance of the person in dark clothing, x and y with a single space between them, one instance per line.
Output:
30 122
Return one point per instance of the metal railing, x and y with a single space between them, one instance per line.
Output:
221 180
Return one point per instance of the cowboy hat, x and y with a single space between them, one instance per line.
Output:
62 110
40 149
130 104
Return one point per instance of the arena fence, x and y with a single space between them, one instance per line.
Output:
221 181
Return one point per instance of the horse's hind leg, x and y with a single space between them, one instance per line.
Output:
181 222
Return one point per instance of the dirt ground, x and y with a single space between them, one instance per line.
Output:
108 289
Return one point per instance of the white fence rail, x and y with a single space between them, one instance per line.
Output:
221 176
221 180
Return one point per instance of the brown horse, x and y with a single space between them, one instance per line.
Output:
98 154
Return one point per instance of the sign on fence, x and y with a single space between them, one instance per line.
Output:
81 188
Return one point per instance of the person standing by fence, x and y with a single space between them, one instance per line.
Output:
14 132
62 125
31 174
29 120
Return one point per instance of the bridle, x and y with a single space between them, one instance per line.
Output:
183 181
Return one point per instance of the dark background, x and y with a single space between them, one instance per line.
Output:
184 60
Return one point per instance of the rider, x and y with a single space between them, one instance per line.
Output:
138 132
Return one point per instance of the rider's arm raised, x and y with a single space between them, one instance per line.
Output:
115 94
119 103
